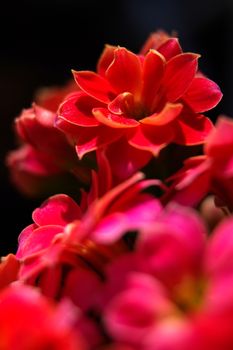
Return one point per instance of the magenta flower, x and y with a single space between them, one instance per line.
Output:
179 296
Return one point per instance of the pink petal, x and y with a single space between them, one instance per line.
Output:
59 209
172 247
113 120
132 315
192 129
202 95
141 213
179 73
167 115
153 70
94 85
219 261
40 239
125 73
82 287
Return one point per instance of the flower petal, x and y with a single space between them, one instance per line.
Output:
91 139
192 129
122 104
78 110
40 239
59 209
167 115
220 141
94 85
202 95
179 74
221 246
154 41
153 70
125 160
125 73
151 139
170 48
105 59
113 120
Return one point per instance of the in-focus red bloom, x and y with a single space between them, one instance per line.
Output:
208 173
146 100
28 321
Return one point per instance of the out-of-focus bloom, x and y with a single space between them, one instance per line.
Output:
211 172
179 295
45 154
66 249
146 100
9 268
51 97
28 321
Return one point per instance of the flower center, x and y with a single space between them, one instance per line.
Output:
188 295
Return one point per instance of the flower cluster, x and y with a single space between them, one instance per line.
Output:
131 248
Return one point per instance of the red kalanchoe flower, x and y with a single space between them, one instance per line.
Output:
147 100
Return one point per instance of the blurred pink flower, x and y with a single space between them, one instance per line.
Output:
208 173
179 294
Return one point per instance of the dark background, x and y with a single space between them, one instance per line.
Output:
41 41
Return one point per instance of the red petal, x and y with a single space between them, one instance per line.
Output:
125 73
113 120
151 139
192 129
168 114
57 210
94 85
170 48
105 59
122 104
153 70
78 110
221 138
191 194
202 95
154 41
179 74
91 139
125 160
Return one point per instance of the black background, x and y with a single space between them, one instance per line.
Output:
41 41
